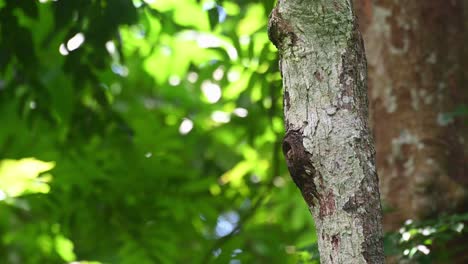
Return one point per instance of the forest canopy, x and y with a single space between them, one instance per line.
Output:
143 132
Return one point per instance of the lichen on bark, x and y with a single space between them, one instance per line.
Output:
324 78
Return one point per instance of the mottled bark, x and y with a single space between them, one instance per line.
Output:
328 146
414 51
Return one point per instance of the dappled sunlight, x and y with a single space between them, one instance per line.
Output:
119 69
226 223
236 174
72 44
205 40
55 241
45 1
192 77
110 46
241 112
233 75
220 117
63 50
64 247
185 126
212 91
162 119
162 123
174 80
218 74
75 42
18 177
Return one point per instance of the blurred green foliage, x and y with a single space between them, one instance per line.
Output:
149 132
144 132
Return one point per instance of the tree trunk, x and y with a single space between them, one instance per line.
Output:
328 146
415 52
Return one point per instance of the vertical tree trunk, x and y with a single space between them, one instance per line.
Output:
415 51
328 146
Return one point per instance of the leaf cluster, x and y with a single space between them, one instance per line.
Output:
159 123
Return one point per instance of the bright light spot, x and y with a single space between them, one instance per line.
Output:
208 5
406 236
233 76
2 195
110 46
174 80
119 69
212 91
166 50
148 155
24 176
223 228
427 231
226 223
244 40
406 252
408 222
218 74
220 117
236 252
423 249
186 126
75 42
32 105
232 52
45 1
279 181
222 14
137 3
241 112
63 50
208 41
254 178
192 77
459 227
